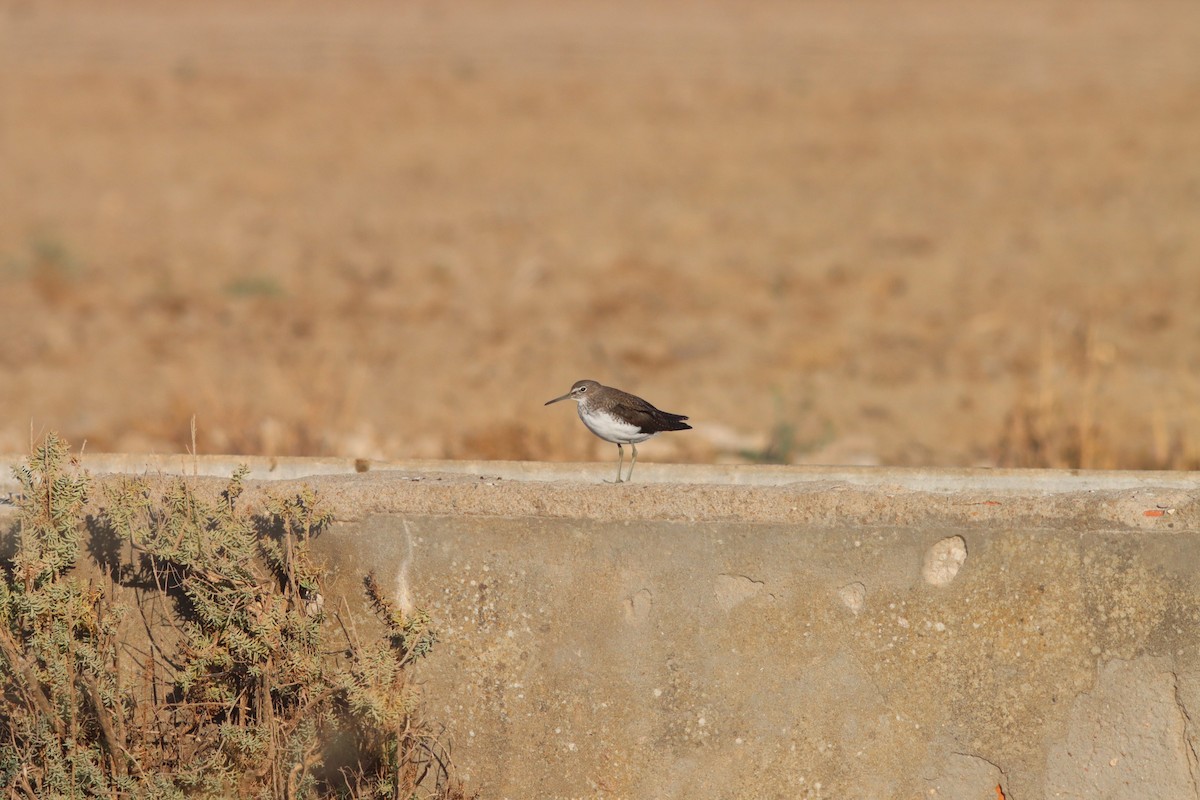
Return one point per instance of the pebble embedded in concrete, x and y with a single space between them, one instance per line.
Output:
943 560
853 596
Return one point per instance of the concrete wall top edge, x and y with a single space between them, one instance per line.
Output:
923 479
813 497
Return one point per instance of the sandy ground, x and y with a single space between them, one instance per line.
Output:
923 233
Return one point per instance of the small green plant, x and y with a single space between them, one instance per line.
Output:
255 286
49 263
248 687
51 254
785 443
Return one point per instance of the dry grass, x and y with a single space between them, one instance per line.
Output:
379 232
1057 420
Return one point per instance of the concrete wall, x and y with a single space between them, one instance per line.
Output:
721 632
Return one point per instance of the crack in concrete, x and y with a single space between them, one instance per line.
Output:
1189 735
732 589
989 767
1003 781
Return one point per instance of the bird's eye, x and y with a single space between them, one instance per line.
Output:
583 388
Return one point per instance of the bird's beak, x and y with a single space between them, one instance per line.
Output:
566 396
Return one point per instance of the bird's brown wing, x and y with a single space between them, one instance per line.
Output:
647 417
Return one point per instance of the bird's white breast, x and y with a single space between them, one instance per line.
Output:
611 428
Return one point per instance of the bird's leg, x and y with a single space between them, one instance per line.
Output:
632 463
620 461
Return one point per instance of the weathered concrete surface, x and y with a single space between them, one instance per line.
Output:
744 633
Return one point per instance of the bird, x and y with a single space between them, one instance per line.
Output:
620 418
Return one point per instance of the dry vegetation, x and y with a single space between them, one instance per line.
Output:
927 233
202 662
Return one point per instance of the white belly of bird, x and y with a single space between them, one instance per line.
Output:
611 428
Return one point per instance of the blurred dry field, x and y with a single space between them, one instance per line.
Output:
938 233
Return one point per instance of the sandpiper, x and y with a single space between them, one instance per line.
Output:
620 418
